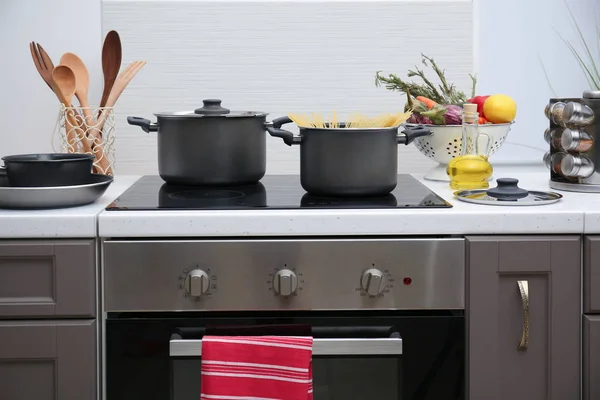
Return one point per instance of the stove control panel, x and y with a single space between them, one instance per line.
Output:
197 283
285 282
284 274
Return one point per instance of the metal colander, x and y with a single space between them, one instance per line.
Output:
446 141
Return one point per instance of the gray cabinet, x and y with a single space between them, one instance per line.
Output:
591 321
591 357
523 315
47 360
48 335
47 279
591 275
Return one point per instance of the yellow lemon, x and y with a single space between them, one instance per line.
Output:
500 109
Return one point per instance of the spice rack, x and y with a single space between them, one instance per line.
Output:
574 129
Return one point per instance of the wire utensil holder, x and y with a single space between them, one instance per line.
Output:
89 130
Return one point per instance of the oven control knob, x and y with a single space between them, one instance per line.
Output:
372 281
197 283
285 282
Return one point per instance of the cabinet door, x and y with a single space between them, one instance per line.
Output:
47 278
591 357
591 275
523 342
48 360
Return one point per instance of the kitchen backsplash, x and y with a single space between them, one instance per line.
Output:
279 57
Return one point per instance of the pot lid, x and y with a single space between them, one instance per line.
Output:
211 108
507 193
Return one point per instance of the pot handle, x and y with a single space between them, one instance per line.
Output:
409 134
144 123
275 130
3 171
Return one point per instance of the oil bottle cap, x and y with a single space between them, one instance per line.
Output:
470 112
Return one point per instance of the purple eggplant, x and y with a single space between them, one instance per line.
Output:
419 119
453 115
417 107
444 114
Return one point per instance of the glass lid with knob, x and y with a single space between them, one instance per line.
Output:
507 193
211 108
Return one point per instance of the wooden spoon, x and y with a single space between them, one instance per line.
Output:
111 63
82 79
64 79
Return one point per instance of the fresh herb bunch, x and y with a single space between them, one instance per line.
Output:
443 94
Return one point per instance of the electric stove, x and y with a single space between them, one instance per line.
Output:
273 192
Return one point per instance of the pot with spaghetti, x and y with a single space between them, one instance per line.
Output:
354 158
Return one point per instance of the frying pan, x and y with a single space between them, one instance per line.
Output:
38 198
47 170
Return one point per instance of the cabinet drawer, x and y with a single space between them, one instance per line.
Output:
47 279
48 360
591 357
591 275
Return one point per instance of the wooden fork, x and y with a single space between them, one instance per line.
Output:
44 66
120 83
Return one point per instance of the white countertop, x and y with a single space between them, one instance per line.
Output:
576 213
76 222
592 215
566 216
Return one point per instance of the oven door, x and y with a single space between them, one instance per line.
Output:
375 354
366 367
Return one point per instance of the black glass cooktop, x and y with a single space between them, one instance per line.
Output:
272 192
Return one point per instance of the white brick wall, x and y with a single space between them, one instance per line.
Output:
278 57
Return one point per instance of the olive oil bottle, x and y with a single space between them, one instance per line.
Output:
471 170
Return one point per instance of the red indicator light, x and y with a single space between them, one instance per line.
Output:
407 281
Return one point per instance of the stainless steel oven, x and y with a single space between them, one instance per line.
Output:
386 315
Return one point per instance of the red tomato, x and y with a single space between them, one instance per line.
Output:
479 100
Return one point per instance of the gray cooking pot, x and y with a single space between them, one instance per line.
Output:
347 162
210 145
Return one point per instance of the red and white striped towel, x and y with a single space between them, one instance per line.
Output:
256 368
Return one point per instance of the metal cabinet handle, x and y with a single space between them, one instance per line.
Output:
321 347
524 291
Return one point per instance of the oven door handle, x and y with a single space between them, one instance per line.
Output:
321 347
